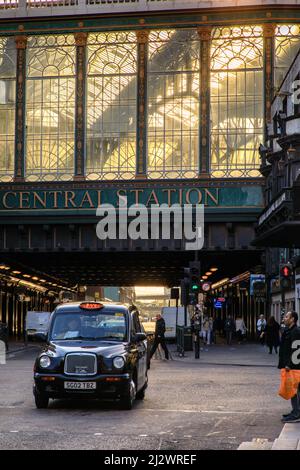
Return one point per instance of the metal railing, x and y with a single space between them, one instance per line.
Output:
35 8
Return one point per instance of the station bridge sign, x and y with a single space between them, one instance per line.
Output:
87 198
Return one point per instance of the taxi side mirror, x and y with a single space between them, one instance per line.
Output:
140 337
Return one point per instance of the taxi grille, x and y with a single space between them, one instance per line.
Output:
80 364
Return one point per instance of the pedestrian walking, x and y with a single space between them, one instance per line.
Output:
290 337
196 323
217 328
260 328
159 336
240 329
207 328
229 328
213 336
271 333
196 328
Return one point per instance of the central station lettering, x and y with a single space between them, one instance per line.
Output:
79 199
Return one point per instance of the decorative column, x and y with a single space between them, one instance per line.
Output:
80 105
269 48
204 124
21 43
141 137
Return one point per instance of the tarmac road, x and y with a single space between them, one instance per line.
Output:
188 406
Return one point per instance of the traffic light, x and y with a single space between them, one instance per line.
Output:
184 287
286 276
174 293
194 276
190 284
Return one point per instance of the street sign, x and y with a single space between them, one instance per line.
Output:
257 284
206 286
219 302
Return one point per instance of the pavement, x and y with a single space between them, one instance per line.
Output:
288 439
189 405
247 354
20 346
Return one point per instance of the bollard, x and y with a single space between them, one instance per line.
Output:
180 340
2 352
197 345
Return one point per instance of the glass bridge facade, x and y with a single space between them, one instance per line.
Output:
148 103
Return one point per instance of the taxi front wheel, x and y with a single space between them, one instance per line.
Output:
127 400
140 395
41 401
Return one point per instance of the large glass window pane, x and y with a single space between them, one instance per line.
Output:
173 104
287 43
111 106
50 108
7 107
236 101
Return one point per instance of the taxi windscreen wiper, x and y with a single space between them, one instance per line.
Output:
109 337
71 337
89 338
94 338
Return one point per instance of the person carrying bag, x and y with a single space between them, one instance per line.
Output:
289 363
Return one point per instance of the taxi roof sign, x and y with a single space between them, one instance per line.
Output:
91 305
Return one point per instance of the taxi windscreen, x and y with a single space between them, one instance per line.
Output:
101 325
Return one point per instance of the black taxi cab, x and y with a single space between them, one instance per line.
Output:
92 350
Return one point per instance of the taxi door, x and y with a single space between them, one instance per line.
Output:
142 352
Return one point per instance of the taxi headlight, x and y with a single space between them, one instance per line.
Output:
118 362
45 361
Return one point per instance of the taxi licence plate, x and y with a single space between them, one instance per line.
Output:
80 385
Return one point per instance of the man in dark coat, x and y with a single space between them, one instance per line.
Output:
229 328
272 334
159 336
290 359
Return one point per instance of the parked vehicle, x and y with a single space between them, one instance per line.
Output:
169 315
37 324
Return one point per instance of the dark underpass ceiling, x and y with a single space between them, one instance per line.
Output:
134 268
